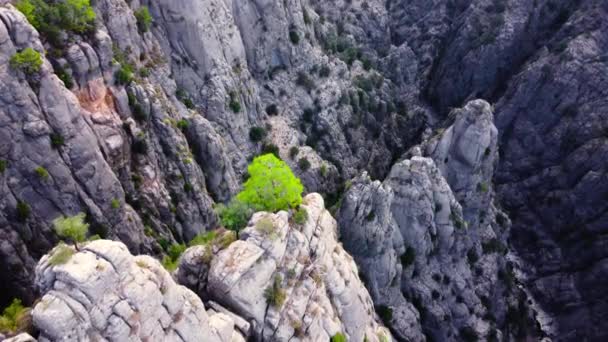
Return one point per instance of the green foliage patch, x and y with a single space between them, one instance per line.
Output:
271 186
52 17
73 228
144 19
28 61
14 318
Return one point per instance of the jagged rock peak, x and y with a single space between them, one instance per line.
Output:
292 281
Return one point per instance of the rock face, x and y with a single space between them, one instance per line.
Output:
345 85
104 293
428 241
292 281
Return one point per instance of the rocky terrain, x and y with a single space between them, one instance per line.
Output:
465 218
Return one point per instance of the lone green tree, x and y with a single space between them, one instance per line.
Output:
234 215
271 185
73 228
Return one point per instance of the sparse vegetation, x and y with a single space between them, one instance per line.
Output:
257 133
14 318
294 37
3 165
171 261
235 215
339 337
293 152
61 255
303 164
115 203
28 61
408 257
275 295
144 19
124 75
272 109
42 173
73 228
233 103
56 140
23 211
385 313
300 216
265 226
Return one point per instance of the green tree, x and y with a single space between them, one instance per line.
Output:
144 19
271 185
73 228
28 61
235 215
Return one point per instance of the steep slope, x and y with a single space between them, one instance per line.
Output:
431 243
292 281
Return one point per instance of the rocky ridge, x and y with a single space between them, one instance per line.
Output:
431 243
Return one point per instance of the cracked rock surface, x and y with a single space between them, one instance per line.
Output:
103 293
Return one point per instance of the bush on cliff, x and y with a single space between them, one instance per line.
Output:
28 61
73 228
50 18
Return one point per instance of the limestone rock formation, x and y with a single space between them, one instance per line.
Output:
104 293
291 281
428 241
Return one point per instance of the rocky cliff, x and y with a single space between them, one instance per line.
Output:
145 129
281 281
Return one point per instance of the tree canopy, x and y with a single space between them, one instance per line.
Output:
73 228
271 185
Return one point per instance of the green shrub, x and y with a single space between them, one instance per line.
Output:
324 71
304 164
203 239
294 37
61 255
408 257
176 250
293 152
169 264
234 104
64 76
272 109
257 133
183 124
115 203
3 165
124 75
14 318
385 313
235 215
49 18
144 19
304 81
56 140
271 148
42 172
274 294
300 216
28 61
271 185
23 211
339 337
73 228
323 170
